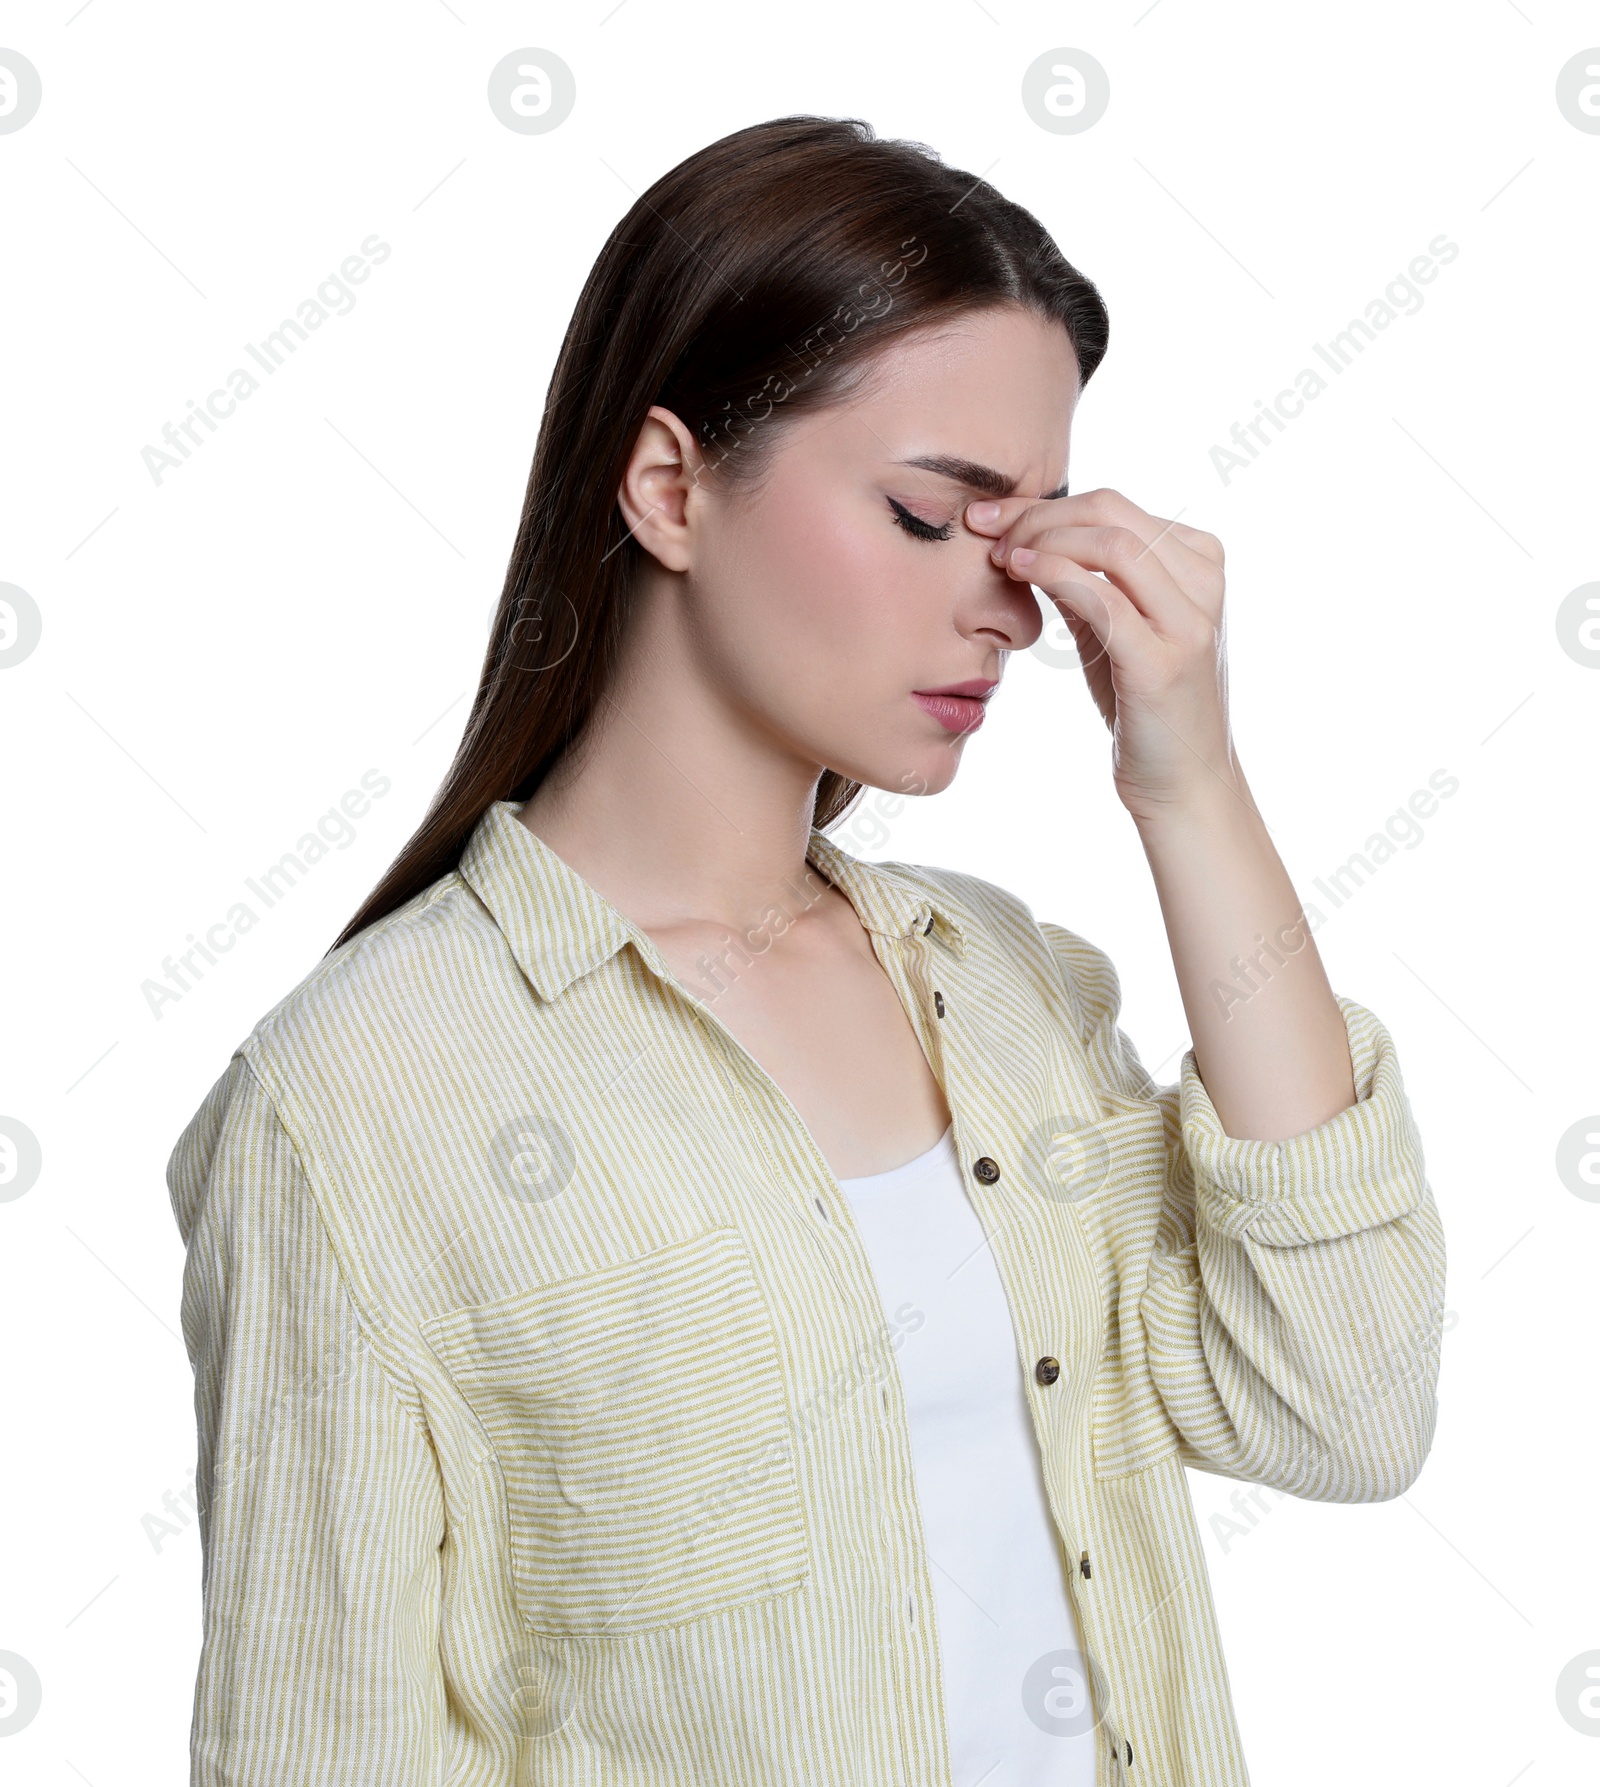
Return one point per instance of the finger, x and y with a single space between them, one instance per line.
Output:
1195 558
1124 560
1207 546
1076 591
1110 508
993 515
1085 641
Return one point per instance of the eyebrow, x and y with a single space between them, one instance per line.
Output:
983 478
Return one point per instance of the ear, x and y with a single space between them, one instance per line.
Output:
660 484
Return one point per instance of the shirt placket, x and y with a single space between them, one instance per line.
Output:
905 960
934 1011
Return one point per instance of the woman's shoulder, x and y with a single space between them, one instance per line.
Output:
397 975
371 1012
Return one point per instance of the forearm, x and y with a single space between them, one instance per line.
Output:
1269 1038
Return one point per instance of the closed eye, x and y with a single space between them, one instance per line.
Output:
917 527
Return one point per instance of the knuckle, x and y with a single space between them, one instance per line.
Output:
1198 637
1102 503
1203 585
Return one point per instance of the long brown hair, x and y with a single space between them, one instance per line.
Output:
753 281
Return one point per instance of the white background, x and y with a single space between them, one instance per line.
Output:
226 652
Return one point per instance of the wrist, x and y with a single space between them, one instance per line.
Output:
1213 800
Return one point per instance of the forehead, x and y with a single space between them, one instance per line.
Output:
998 386
990 341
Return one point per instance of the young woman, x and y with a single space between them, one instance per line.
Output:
673 1303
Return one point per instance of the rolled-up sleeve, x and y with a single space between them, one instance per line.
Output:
321 1511
1293 1301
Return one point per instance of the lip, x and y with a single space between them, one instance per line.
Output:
976 687
958 707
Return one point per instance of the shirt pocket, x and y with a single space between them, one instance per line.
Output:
639 1419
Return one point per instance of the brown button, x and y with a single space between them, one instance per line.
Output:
1047 1370
938 1005
984 1170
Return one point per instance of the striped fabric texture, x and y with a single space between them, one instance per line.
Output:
550 1424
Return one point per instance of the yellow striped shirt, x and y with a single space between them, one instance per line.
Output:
550 1423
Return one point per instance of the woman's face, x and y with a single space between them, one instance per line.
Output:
832 603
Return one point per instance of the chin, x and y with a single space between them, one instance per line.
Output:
918 769
941 770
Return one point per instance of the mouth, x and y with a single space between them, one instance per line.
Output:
958 707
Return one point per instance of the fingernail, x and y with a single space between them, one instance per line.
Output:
1023 557
983 513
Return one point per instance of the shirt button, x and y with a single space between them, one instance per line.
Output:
984 1170
1047 1370
938 1005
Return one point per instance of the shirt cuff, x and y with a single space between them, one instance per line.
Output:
1361 1168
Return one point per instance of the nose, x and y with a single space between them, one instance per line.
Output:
999 610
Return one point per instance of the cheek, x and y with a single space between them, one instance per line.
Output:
834 579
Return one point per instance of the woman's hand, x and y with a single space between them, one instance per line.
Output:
1272 1052
1148 630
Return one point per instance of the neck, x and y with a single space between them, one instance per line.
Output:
677 806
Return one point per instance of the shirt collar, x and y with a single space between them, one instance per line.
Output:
559 927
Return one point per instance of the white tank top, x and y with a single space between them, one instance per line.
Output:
1016 1684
